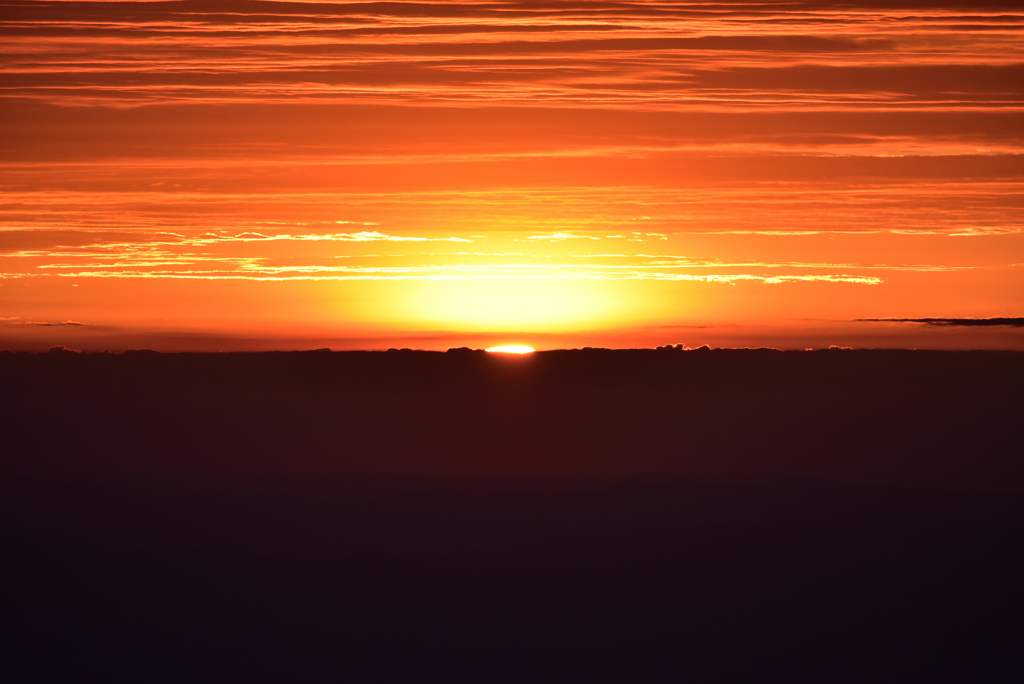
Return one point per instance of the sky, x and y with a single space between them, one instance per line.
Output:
235 175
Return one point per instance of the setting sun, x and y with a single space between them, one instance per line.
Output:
512 349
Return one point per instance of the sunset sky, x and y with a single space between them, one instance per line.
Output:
232 175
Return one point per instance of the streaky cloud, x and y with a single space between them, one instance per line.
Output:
1017 322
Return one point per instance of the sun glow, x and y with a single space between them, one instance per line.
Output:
512 349
508 304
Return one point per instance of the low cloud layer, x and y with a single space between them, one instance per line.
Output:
964 322
18 320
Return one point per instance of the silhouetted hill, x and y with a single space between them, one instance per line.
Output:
598 515
943 418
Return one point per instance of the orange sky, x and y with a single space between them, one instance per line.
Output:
257 175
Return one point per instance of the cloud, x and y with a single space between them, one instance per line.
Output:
591 54
558 237
446 272
18 320
61 349
361 236
961 322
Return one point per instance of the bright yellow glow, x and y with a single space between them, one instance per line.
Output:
508 304
513 349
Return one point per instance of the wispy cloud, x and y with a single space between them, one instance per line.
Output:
961 322
665 55
559 237
18 320
285 255
362 236
524 271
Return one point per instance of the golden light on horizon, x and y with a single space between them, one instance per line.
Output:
512 349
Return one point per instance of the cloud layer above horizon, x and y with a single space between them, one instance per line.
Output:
722 163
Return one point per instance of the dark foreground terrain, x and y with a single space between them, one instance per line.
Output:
569 516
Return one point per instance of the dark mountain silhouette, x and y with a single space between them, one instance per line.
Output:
589 514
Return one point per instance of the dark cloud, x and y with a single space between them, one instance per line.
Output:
30 239
61 349
960 322
49 325
18 320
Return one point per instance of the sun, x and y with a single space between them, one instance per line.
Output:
512 349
